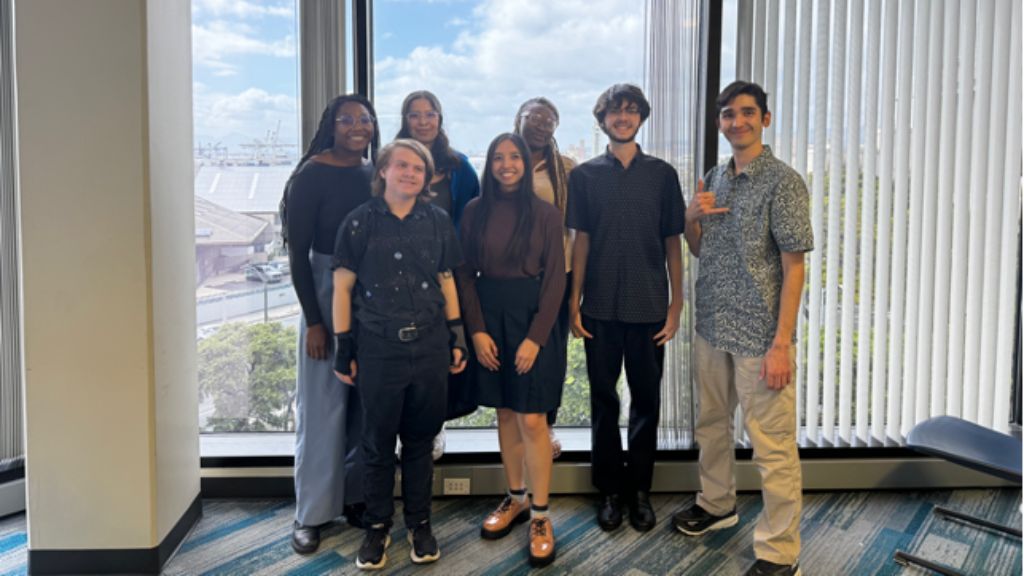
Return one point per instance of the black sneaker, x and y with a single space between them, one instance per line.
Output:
695 520
372 555
766 568
423 545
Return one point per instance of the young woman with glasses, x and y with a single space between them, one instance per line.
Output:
332 178
453 185
536 121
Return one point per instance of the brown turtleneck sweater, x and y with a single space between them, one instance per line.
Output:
545 257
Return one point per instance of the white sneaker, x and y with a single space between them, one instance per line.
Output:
439 441
556 444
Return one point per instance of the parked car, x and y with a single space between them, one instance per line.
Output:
263 273
282 266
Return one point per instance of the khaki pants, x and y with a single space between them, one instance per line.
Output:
769 416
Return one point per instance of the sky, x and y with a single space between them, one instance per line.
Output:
481 57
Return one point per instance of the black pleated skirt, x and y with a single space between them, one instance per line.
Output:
509 306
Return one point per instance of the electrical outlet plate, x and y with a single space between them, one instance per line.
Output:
456 486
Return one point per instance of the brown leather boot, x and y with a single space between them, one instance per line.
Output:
542 542
500 522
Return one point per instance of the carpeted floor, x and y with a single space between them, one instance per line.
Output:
852 533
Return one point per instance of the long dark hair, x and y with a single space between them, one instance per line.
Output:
552 158
445 159
324 140
523 198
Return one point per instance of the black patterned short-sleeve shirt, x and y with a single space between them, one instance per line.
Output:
396 262
740 278
627 213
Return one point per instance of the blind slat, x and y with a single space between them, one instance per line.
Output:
880 344
961 214
851 200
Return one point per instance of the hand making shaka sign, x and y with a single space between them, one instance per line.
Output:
703 204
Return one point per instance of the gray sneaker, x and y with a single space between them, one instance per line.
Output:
438 448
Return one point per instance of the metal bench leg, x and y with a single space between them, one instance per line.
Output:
964 518
905 559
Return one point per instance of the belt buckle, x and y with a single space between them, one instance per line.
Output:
407 334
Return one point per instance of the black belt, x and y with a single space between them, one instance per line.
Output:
400 331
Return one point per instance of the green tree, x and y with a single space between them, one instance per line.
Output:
248 371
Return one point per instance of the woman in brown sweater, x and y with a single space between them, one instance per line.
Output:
511 288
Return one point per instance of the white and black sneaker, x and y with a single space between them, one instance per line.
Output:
372 554
695 520
423 545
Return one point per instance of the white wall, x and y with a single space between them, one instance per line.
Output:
104 121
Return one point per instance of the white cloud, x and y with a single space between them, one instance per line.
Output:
236 118
456 23
568 51
243 8
217 41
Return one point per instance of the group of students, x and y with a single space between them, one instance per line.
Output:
410 271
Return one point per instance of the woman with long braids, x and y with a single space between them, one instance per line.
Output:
536 121
331 179
511 288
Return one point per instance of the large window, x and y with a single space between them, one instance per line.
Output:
246 145
483 58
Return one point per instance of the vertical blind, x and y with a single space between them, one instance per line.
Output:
11 430
905 119
671 77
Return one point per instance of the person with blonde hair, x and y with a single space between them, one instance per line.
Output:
393 262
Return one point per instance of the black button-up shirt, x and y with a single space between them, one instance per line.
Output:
628 213
396 263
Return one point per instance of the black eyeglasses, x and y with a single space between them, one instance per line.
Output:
350 121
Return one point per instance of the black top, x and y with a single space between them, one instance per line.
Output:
318 199
628 213
440 194
396 263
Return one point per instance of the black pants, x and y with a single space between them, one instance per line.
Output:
612 342
403 386
561 329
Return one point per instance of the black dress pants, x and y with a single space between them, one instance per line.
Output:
403 387
611 471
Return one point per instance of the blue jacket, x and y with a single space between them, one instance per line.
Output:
465 187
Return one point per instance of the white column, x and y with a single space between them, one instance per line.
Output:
105 167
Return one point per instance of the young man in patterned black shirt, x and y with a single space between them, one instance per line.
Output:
750 227
627 210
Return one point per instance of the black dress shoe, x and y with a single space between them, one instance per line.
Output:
641 514
609 512
354 514
305 539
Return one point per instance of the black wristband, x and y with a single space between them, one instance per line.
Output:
344 353
457 336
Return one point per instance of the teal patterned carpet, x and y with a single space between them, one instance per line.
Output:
852 533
